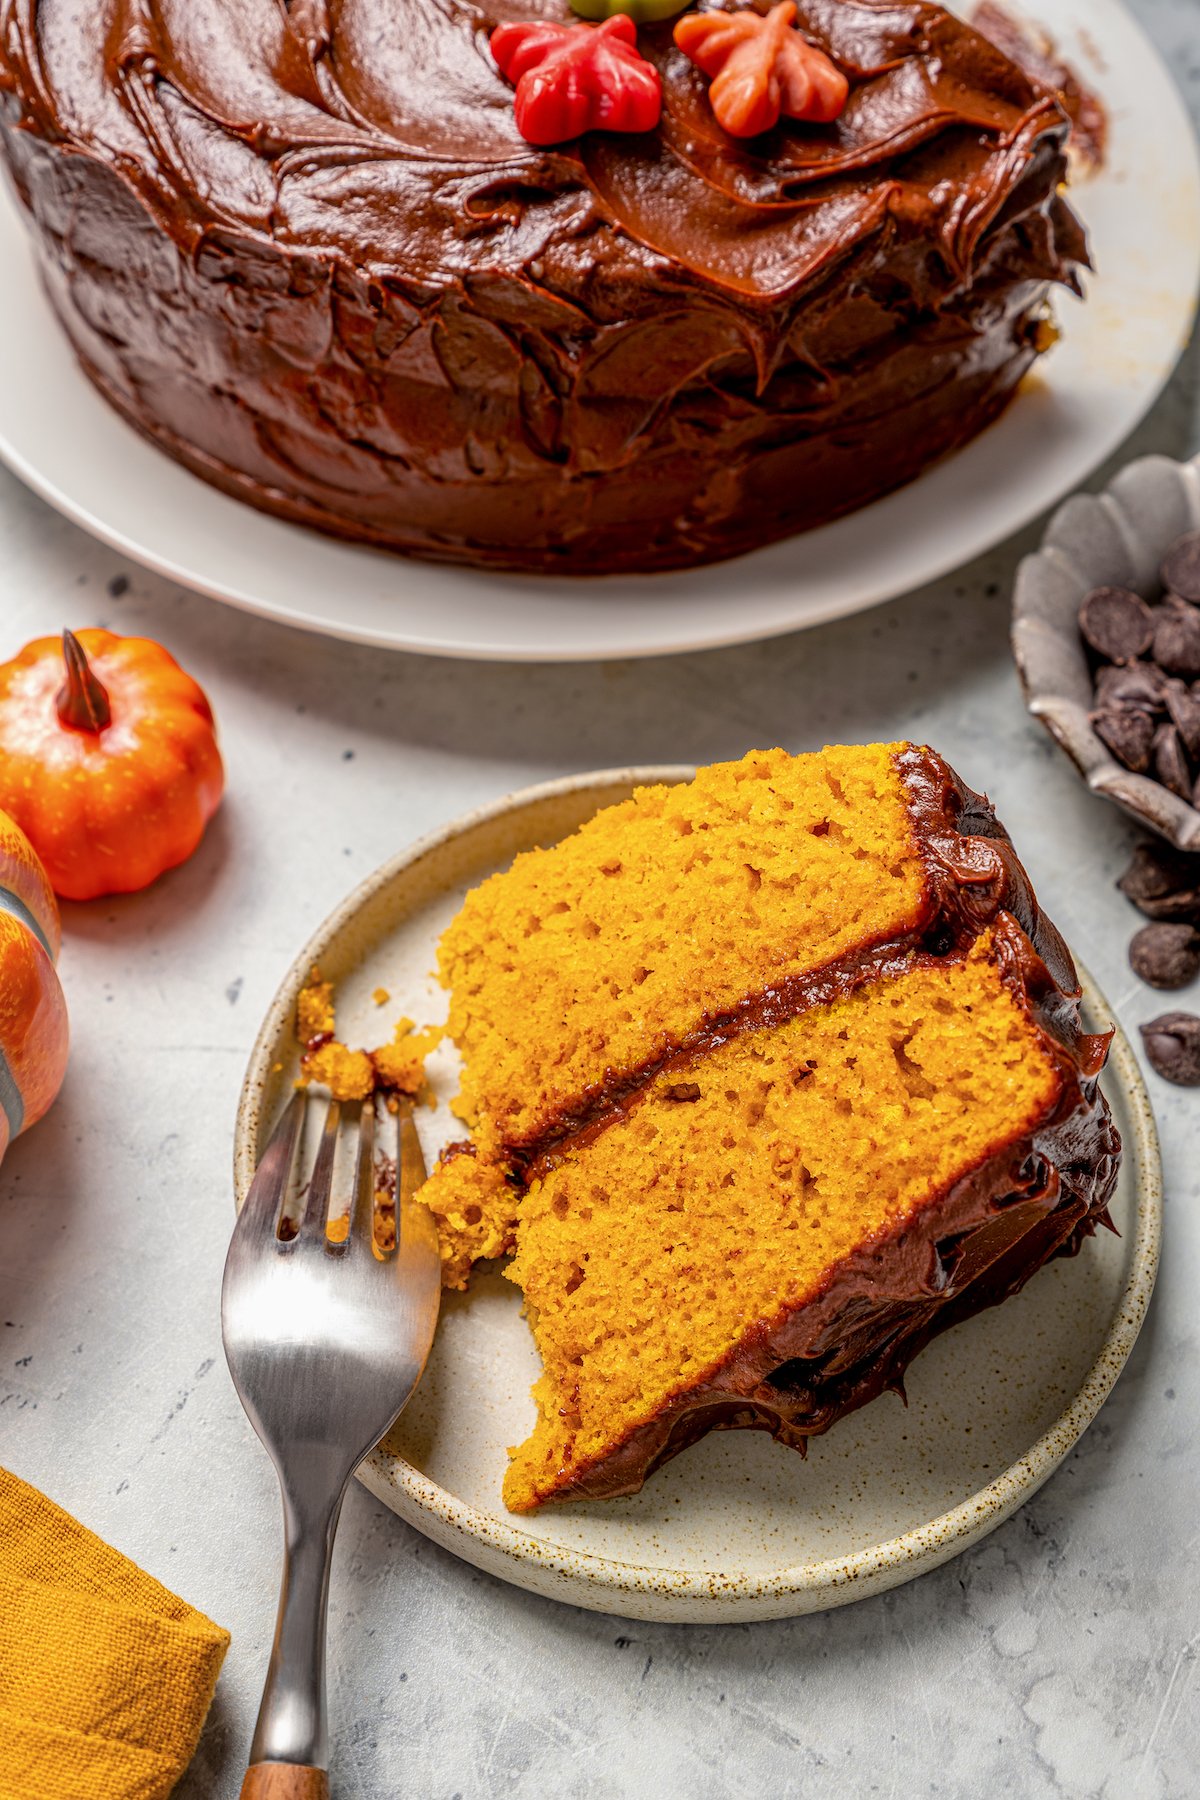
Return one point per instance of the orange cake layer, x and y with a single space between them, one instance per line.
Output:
598 954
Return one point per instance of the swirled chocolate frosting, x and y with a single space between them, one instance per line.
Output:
303 247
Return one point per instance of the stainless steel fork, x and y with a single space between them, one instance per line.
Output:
325 1340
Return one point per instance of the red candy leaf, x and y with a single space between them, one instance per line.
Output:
576 78
761 67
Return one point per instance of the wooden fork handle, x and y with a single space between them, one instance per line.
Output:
284 1781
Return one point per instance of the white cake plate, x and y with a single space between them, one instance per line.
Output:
1143 216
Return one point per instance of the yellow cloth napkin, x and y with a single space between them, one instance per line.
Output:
105 1676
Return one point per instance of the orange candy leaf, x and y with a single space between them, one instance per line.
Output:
761 67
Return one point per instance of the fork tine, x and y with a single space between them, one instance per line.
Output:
410 1162
320 1186
362 1203
269 1187
416 1232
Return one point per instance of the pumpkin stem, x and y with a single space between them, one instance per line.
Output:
82 701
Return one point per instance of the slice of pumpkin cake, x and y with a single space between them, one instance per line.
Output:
772 1075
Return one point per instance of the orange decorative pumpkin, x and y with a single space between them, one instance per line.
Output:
33 1013
108 760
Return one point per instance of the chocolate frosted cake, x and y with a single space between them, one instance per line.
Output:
305 249
771 1077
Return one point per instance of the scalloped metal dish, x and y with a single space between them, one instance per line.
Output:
736 1528
1116 538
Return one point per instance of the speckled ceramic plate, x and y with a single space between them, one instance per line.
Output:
1143 216
737 1527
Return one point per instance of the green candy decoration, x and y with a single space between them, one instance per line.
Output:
642 12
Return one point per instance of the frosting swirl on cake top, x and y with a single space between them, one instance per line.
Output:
385 132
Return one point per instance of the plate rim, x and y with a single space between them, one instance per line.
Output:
607 1583
479 639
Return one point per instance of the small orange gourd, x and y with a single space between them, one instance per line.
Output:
108 760
33 1013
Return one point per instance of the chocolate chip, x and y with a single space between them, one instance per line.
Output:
1184 708
1173 1047
1128 734
1138 684
1183 905
683 1090
1177 639
1170 763
1181 568
1117 624
1162 882
1156 869
1166 956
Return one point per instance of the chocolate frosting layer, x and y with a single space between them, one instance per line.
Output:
304 248
969 1247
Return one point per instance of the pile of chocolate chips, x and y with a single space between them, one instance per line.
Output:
1164 883
1146 671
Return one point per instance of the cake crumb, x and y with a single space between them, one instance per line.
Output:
314 1008
394 1068
348 1074
475 1207
400 1065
